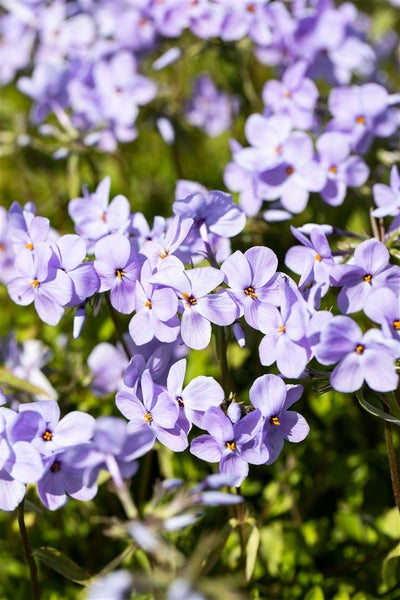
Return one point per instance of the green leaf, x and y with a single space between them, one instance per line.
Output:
11 381
377 412
391 568
252 546
61 563
315 593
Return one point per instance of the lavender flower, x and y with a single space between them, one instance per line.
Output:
369 269
118 267
273 398
200 308
361 357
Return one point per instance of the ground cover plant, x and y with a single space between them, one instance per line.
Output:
200 299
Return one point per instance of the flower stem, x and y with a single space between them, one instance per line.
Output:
28 553
394 471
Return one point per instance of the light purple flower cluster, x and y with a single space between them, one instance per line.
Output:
86 61
283 164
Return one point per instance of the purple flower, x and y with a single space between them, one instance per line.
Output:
25 228
118 267
341 169
252 280
70 250
53 434
285 334
95 217
294 96
273 398
159 414
296 175
106 363
38 280
209 108
369 270
362 112
215 210
63 478
113 449
200 308
20 463
156 311
387 199
195 399
167 244
383 307
361 357
226 441
313 260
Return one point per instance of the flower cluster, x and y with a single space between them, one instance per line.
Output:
87 60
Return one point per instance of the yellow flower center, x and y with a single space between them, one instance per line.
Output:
359 348
250 291
47 436
281 329
231 445
274 421
148 418
35 283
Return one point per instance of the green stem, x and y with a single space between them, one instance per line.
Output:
242 534
394 470
118 328
28 553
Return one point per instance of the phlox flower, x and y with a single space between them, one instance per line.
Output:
252 281
156 311
152 412
226 442
360 357
285 332
383 307
200 308
63 478
118 266
20 463
106 363
195 399
368 270
312 260
113 449
70 250
94 217
273 398
25 229
54 434
37 279
387 199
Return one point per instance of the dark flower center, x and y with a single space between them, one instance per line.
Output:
274 421
47 436
368 278
190 300
250 291
231 445
360 348
281 329
119 273
56 466
396 324
35 283
148 304
289 170
180 400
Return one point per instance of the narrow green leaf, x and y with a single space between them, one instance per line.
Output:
315 593
391 568
252 546
61 563
11 381
377 412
